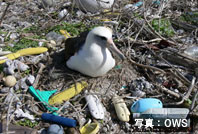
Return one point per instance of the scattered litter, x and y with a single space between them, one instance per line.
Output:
93 6
95 106
55 129
20 114
90 128
59 120
121 109
24 83
145 104
62 13
43 96
9 81
24 52
68 93
56 37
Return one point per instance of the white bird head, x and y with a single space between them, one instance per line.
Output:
103 37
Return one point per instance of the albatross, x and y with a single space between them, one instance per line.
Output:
91 55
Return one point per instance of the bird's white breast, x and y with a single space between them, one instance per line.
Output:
92 62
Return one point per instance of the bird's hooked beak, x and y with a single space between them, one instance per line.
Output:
112 47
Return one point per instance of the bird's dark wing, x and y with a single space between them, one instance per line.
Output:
73 45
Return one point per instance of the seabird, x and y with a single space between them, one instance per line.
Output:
93 6
91 55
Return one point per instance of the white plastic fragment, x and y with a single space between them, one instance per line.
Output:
95 106
30 80
62 13
10 66
121 109
20 114
93 6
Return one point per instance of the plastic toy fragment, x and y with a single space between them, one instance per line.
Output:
68 93
59 120
95 106
23 52
43 96
65 33
145 104
90 128
121 109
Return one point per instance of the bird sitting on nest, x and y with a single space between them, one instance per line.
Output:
91 55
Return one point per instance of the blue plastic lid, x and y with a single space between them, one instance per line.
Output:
145 104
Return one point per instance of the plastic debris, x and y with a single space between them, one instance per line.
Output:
56 37
121 109
19 113
10 66
24 52
4 52
95 106
68 93
65 33
93 6
59 120
145 104
55 129
192 51
43 96
62 13
90 128
9 81
138 86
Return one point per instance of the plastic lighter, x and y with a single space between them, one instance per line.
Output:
95 106
43 96
145 104
58 120
68 93
121 109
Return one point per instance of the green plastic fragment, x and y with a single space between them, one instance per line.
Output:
43 96
118 67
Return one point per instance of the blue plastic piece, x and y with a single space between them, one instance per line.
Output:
138 4
59 120
55 129
43 96
145 104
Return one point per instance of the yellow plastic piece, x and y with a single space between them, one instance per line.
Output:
23 52
68 93
10 56
121 109
90 128
65 33
105 20
31 51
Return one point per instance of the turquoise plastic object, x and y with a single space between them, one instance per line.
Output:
143 105
43 96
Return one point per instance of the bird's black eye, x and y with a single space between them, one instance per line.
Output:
103 38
